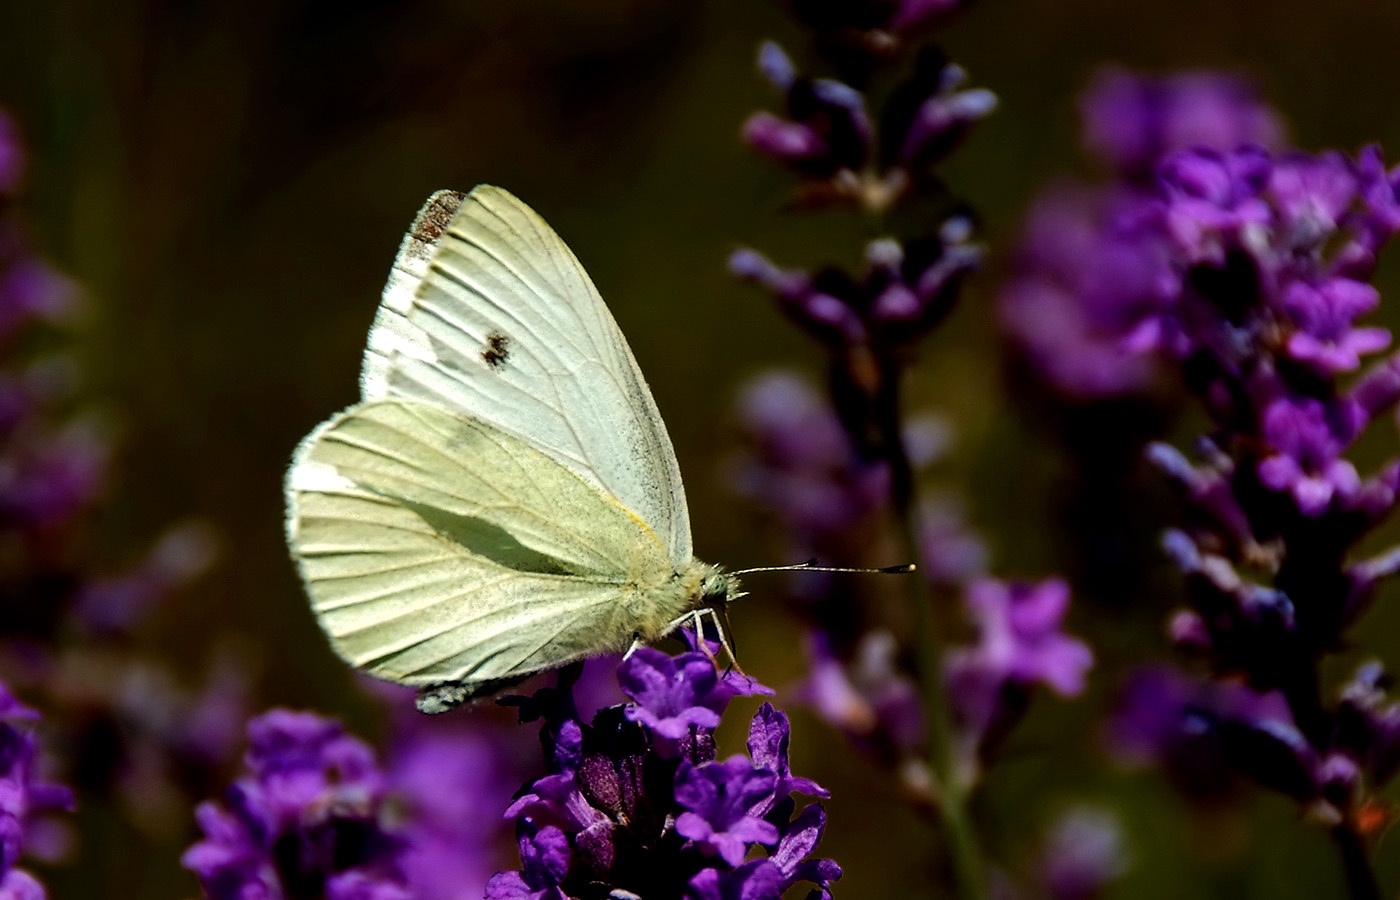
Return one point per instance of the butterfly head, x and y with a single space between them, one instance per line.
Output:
718 588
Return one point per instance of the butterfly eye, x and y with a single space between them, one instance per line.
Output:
717 587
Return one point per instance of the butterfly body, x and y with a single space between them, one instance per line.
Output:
505 499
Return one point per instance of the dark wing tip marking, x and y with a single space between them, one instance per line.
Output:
433 220
496 351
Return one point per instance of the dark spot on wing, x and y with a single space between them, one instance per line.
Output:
496 351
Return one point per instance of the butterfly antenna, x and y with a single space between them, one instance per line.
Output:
811 566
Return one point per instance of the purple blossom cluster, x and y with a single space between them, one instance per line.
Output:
830 139
1274 254
308 819
1246 271
636 804
1090 263
904 291
24 797
1020 645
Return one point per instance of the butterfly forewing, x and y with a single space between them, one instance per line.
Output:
436 547
490 314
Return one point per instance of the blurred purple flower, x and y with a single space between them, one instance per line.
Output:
12 160
827 128
1019 645
1089 270
802 468
930 114
1306 459
1131 121
1368 724
869 698
306 819
1097 269
451 776
119 602
1082 853
904 292
24 797
1019 637
1201 732
1324 314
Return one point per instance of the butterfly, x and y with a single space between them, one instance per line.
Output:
504 499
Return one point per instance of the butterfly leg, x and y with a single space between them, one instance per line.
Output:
700 642
726 639
636 642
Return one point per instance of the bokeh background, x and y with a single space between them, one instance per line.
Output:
228 184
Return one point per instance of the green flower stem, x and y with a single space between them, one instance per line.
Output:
951 789
1361 879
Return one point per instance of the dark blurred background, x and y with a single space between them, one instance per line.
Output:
229 183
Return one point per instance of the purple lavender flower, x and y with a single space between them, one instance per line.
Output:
641 806
451 776
1324 315
1368 724
717 798
868 698
1267 257
1019 636
673 694
1070 317
1095 262
842 154
827 129
544 855
1082 853
24 798
305 821
1306 460
1132 121
839 483
930 114
905 289
768 748
802 468
1019 645
767 879
1206 734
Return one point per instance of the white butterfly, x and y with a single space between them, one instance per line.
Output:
505 498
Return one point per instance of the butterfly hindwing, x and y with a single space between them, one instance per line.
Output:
436 547
489 313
